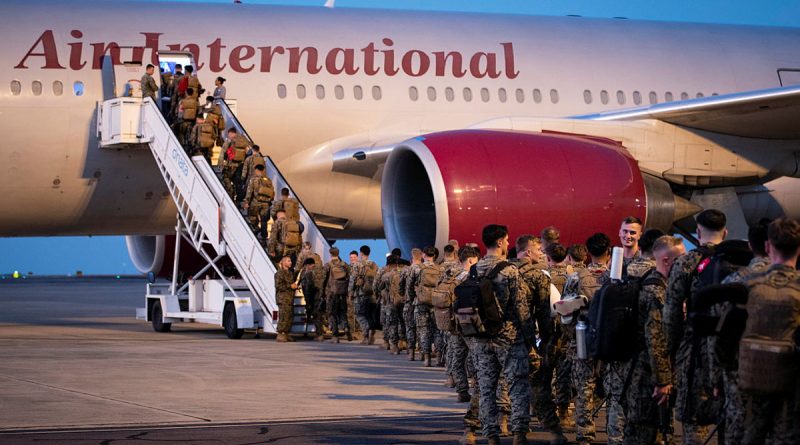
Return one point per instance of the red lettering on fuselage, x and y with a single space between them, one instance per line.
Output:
374 59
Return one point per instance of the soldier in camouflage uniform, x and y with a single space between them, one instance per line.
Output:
650 376
284 295
450 267
615 373
250 163
535 286
410 296
423 312
391 312
559 270
360 296
336 296
734 403
692 363
257 200
507 352
457 346
589 280
311 281
773 306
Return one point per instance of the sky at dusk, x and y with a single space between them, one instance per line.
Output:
108 255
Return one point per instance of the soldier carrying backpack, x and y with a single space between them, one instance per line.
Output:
336 279
362 288
424 282
769 362
286 204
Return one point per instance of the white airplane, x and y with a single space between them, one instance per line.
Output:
414 126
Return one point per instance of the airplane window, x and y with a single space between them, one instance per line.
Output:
502 95
554 96
684 96
467 95
520 95
320 92
431 94
637 98
413 93
604 97
358 93
537 96
36 87
587 96
77 88
653 97
58 88
16 87
668 96
621 97
339 92
700 95
301 91
376 92
485 94
449 94
282 91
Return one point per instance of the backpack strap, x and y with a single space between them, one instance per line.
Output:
496 270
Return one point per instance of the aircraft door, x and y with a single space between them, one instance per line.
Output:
167 60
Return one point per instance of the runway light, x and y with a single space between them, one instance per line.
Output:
16 274
118 277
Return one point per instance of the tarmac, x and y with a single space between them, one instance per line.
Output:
77 367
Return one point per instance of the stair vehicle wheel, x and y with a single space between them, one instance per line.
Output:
229 322
157 318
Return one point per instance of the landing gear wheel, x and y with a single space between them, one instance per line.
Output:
157 318
230 324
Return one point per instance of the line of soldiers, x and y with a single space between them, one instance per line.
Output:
532 364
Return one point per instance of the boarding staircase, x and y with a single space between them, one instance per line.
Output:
208 220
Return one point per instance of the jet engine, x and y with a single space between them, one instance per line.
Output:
450 185
156 253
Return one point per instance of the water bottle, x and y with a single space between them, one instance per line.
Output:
580 339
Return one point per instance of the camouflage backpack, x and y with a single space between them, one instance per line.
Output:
429 277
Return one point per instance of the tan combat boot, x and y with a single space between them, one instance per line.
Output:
503 422
402 345
450 383
365 338
412 354
427 359
520 439
565 416
468 438
393 349
281 338
371 337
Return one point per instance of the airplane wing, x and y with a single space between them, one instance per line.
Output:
764 114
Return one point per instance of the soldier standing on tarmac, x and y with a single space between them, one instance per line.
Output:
535 285
311 281
362 289
651 375
507 352
336 280
408 308
559 270
423 281
284 294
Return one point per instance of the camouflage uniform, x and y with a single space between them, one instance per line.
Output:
258 206
457 348
615 373
311 283
232 170
734 403
361 301
472 419
336 303
506 353
776 415
537 292
651 366
423 313
248 167
692 383
392 314
278 205
584 380
408 308
562 366
284 296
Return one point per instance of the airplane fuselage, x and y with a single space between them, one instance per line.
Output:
311 81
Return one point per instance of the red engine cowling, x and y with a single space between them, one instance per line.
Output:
450 185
